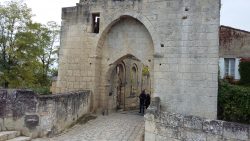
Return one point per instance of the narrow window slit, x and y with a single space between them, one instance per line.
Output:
95 22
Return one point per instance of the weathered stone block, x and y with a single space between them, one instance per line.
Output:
235 131
149 136
212 137
172 119
149 122
31 121
167 131
164 138
213 127
189 135
195 123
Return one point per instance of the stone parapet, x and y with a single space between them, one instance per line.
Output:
37 116
177 127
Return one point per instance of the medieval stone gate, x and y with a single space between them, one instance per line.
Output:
176 39
106 46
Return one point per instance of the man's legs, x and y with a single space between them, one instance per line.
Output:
142 106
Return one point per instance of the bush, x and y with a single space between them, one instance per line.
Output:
245 71
234 103
41 90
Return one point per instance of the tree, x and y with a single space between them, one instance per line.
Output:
28 50
50 51
13 19
30 45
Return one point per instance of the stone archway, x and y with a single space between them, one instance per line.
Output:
117 83
127 37
124 78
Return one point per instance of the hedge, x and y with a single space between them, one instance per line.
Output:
41 90
244 71
234 103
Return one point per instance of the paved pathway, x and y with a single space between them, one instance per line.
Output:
123 126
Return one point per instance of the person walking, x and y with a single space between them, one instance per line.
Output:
142 101
148 99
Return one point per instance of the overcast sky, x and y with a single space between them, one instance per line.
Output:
235 13
49 10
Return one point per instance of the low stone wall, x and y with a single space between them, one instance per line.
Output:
38 116
162 126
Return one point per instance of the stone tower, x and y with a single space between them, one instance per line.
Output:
176 39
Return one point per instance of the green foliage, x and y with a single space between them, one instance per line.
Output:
13 19
41 90
234 103
145 71
245 72
27 50
53 72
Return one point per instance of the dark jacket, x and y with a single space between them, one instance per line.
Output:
142 98
148 99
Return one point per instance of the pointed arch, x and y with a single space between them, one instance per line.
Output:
107 25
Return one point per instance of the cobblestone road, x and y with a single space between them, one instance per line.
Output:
122 126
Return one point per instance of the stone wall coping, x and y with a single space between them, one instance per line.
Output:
27 91
12 94
64 94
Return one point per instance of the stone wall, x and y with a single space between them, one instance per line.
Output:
162 126
178 39
39 116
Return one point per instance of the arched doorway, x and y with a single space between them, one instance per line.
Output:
125 78
127 39
118 84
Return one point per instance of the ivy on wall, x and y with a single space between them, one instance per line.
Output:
145 71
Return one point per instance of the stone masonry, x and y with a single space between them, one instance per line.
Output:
166 126
38 116
177 39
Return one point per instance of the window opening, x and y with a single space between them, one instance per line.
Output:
95 22
230 67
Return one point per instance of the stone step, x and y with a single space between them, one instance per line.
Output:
7 135
20 139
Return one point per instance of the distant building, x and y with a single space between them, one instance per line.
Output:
234 45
